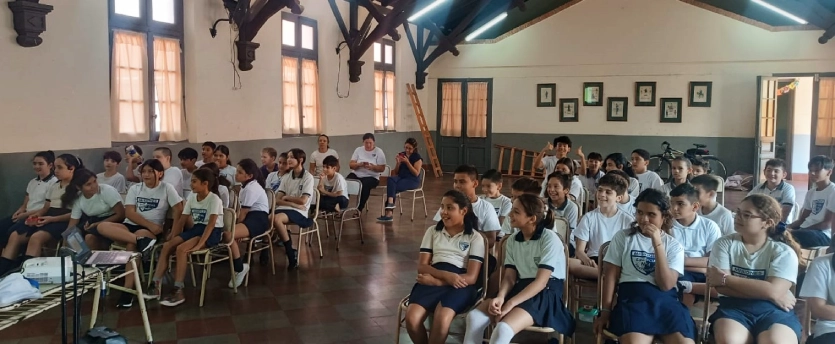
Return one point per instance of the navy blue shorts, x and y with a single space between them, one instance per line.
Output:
695 277
756 315
458 300
643 308
546 308
197 231
827 338
808 238
296 217
257 223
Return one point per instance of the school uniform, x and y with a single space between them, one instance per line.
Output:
570 212
819 283
628 207
487 222
641 306
223 193
117 181
368 178
649 180
254 198
318 158
273 181
451 253
596 229
186 182
501 204
591 184
174 176
576 189
229 172
696 239
200 212
774 259
56 208
667 187
723 218
634 188
37 190
550 164
818 202
265 171
96 208
544 250
150 203
783 193
297 186
337 183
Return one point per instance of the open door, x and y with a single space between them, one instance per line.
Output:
766 135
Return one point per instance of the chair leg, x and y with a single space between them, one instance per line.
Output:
193 275
414 199
248 261
400 206
203 285
153 266
423 197
319 241
399 324
232 268
362 241
272 254
339 235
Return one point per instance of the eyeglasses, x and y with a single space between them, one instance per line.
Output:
746 216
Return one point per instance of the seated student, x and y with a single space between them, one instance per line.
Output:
200 227
707 186
36 194
223 184
268 161
188 163
333 188
366 164
406 176
92 204
753 271
451 255
133 154
819 291
699 167
491 186
696 235
599 226
111 175
317 157
575 189
626 202
466 180
617 162
293 200
253 218
590 172
558 199
812 228
531 292
521 186
274 178
173 175
640 164
776 186
51 220
680 170
208 152
644 263
222 160
146 207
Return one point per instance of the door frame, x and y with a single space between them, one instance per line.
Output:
790 129
464 89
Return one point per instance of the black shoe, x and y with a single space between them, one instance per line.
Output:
293 260
143 244
265 258
125 301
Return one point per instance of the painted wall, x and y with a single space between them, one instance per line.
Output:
801 141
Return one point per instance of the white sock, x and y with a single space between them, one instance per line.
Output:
477 322
688 286
502 334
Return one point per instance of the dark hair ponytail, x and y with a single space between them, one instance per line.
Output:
206 175
73 190
212 166
620 160
250 167
48 156
72 161
470 219
533 206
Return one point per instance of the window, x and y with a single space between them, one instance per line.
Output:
300 56
146 60
384 82
825 131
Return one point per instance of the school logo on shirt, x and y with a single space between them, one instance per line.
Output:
498 210
757 274
329 188
463 245
275 185
817 206
146 204
644 262
536 260
199 215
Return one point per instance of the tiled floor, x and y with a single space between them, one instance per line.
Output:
349 296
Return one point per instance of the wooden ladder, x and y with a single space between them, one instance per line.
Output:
424 129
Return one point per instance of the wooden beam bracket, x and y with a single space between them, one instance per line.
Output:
254 19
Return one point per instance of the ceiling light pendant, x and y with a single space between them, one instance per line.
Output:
425 10
485 27
780 11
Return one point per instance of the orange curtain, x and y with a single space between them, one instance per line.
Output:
379 116
825 132
169 90
476 109
390 114
310 97
128 110
451 109
291 96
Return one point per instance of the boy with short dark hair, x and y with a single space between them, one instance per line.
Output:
491 185
775 186
646 179
333 187
208 151
274 179
708 186
625 202
812 228
465 179
699 167
188 159
696 235
111 175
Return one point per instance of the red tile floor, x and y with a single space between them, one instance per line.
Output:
349 296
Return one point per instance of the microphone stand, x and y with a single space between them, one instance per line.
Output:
63 299
64 252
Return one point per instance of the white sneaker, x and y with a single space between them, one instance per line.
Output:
239 277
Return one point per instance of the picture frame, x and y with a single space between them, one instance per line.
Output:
645 93
670 110
617 109
546 95
701 94
569 109
592 94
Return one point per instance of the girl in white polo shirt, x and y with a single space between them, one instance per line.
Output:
293 199
223 184
35 197
92 204
575 190
253 218
273 180
534 277
451 255
680 170
819 292
227 170
753 271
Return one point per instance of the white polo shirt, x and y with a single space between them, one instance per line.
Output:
453 249
487 219
501 204
818 202
273 181
820 284
698 238
635 254
229 172
375 157
543 251
337 183
200 211
628 207
634 188
37 190
100 205
117 181
576 189
318 158
174 176
254 197
294 186
596 229
783 193
649 180
774 259
722 217
152 204
569 211
590 183
186 182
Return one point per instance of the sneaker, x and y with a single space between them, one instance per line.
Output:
385 219
175 299
389 205
239 277
153 292
293 260
143 244
125 300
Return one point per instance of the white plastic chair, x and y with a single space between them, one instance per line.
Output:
415 196
314 226
354 191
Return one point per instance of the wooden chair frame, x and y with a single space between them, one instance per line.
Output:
344 215
314 227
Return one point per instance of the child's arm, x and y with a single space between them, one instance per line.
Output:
824 224
448 278
580 253
538 284
242 215
507 282
135 217
210 226
665 277
132 163
695 262
538 159
611 275
583 163
803 215
21 212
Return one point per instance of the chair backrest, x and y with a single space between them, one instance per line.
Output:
354 189
562 228
485 269
586 201
230 217
422 177
271 202
386 172
315 204
603 249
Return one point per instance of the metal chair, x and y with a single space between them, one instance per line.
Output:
354 190
382 186
219 253
314 226
264 241
585 208
415 197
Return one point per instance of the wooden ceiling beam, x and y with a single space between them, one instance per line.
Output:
259 13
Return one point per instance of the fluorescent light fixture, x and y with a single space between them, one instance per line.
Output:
484 27
780 11
426 10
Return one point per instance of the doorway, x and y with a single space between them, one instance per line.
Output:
465 120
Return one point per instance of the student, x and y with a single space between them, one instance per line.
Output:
699 167
566 166
558 199
680 170
451 255
253 218
491 186
812 228
696 234
92 204
111 175
134 158
366 164
173 175
707 186
323 151
616 161
465 180
561 148
646 179
223 184
333 188
293 200
776 186
590 172
753 271
626 202
644 263
208 152
36 194
52 218
222 160
521 186
188 163
203 224
274 179
819 291
406 176
268 161
146 208
531 292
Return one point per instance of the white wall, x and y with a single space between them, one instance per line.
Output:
802 126
666 41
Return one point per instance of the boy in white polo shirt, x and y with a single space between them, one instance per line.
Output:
819 292
646 179
696 234
111 175
172 175
776 187
707 185
812 228
491 185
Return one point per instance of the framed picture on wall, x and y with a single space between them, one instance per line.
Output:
593 94
670 110
569 110
645 93
616 109
700 93
546 95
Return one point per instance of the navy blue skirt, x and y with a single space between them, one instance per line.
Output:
429 296
197 231
643 308
55 229
257 223
546 308
756 315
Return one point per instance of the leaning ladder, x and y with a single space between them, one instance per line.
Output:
424 129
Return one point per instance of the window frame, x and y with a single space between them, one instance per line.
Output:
296 51
386 68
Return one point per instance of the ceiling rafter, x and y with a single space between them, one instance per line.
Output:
257 13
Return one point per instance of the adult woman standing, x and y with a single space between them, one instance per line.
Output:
367 163
406 176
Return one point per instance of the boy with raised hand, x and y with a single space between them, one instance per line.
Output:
776 187
696 234
812 228
707 186
646 179
491 186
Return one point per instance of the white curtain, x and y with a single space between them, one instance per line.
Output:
390 114
310 97
128 109
476 109
379 115
451 109
169 89
825 133
291 95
